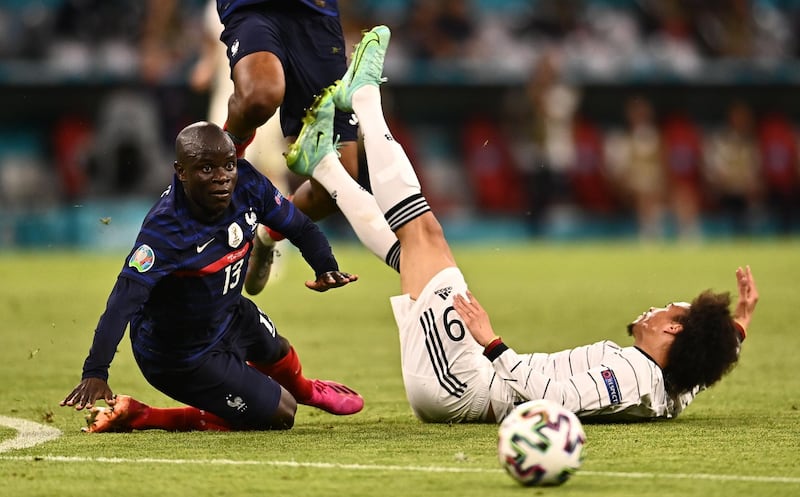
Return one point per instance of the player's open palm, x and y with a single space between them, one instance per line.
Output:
748 297
475 317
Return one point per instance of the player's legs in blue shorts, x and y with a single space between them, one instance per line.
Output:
220 381
252 379
282 54
310 49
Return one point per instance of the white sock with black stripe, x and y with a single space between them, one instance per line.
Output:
394 183
360 209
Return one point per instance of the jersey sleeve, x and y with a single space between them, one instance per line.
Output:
150 260
126 297
282 216
612 386
682 400
153 257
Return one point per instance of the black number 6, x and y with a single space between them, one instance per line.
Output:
454 327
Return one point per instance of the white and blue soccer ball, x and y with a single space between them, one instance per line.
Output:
541 443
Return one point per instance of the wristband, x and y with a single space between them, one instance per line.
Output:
494 348
741 330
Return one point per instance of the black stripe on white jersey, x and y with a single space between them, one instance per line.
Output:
441 366
546 386
578 392
635 376
597 390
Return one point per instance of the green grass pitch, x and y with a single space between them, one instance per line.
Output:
740 438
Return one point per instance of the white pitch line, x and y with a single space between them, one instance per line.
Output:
696 476
28 434
380 467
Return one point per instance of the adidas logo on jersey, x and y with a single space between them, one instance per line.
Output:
444 292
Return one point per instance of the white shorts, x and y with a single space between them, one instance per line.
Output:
445 374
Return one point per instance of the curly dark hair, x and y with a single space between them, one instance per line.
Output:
708 346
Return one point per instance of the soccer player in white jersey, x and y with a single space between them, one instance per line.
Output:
455 368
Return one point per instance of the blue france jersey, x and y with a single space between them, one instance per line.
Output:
327 7
183 278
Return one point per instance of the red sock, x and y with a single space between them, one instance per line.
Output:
289 373
178 419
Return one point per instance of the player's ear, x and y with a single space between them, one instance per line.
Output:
179 170
673 328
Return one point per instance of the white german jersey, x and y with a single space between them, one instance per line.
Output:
449 380
597 380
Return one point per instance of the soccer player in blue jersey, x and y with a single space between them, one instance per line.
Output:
195 337
281 53
455 368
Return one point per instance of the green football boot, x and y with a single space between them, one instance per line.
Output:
315 140
365 68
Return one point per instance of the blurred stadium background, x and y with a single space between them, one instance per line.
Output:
552 119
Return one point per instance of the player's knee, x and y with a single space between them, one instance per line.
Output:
314 201
283 417
348 156
260 103
283 347
431 228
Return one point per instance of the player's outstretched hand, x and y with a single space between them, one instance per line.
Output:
748 297
331 279
475 317
89 391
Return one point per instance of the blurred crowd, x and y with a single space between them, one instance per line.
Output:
662 164
539 157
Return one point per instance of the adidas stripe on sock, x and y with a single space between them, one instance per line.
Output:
393 257
407 210
360 208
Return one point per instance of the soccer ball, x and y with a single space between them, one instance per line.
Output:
541 443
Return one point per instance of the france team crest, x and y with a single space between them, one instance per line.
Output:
143 259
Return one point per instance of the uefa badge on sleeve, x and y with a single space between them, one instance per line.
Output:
142 259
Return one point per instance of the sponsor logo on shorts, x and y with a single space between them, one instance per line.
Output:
444 292
236 402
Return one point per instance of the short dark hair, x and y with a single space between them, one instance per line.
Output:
708 346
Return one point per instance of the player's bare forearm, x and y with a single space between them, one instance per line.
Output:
748 297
